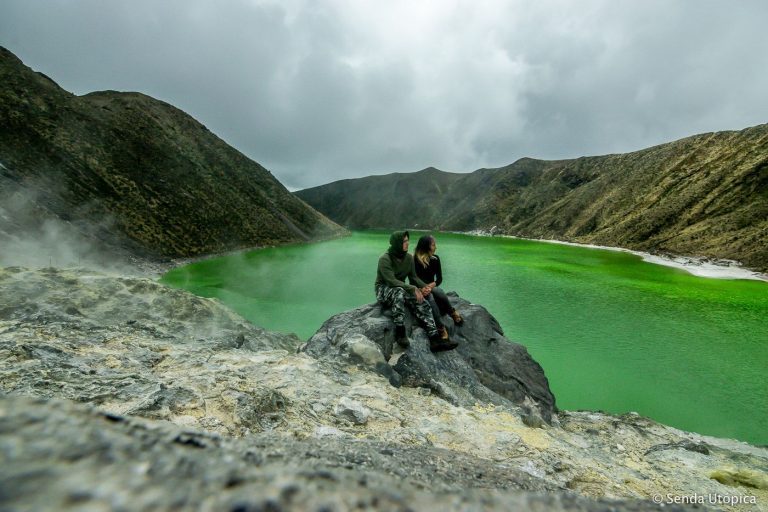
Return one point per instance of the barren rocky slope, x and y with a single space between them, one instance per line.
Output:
132 175
235 418
705 195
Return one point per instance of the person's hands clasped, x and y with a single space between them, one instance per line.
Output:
419 295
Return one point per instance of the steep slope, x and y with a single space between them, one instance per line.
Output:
704 195
155 177
372 201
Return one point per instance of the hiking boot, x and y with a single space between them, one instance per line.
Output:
400 337
438 344
456 317
443 332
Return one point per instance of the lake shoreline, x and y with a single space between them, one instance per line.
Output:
276 310
697 265
700 266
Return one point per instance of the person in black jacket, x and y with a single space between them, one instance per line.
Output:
429 270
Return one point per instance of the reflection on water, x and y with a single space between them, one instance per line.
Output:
613 333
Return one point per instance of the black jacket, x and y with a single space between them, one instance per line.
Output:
432 272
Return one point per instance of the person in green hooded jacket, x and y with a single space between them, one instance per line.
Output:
392 291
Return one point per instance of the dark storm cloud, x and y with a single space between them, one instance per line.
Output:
318 91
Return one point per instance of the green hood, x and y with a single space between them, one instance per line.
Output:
396 244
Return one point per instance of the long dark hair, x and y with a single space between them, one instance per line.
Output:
423 248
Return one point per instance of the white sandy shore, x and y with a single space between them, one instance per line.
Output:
702 267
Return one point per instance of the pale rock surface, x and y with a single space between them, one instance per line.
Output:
58 455
135 348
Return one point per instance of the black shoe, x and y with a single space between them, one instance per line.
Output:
438 344
400 337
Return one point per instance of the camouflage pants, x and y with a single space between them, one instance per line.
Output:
397 299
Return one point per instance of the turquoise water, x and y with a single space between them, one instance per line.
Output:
612 332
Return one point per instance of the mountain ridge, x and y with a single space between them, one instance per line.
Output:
164 184
703 195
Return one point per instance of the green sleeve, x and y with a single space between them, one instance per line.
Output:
388 274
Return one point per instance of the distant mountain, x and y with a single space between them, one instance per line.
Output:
705 195
397 199
147 175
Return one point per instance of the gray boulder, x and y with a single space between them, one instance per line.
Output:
352 410
487 367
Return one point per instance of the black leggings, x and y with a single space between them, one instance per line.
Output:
440 304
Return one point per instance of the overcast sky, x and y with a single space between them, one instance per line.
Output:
318 91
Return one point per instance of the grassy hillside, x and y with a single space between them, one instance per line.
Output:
372 201
705 195
163 181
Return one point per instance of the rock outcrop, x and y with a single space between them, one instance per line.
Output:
120 393
486 368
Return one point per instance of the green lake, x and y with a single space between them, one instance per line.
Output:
612 332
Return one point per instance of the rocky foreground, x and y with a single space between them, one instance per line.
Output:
121 394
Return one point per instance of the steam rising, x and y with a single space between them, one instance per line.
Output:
32 236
